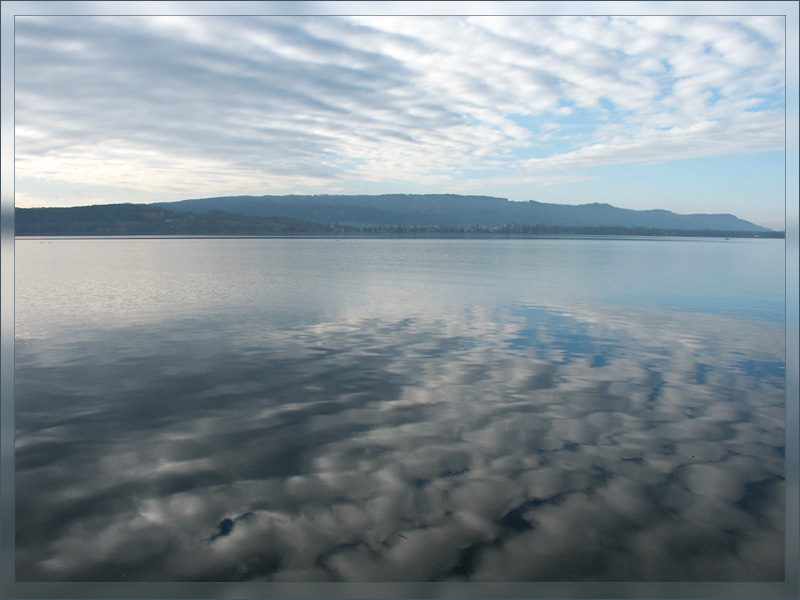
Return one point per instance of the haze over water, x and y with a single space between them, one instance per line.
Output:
399 409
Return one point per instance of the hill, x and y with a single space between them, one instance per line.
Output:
143 219
456 211
428 214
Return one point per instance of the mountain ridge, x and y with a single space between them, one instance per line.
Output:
455 210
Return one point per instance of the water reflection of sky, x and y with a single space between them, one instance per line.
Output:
84 284
529 443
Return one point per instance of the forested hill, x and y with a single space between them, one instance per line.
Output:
144 219
277 215
456 211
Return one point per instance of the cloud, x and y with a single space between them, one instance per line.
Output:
187 104
701 138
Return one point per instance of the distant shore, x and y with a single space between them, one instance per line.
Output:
412 235
135 220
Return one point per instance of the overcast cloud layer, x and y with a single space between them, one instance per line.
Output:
184 104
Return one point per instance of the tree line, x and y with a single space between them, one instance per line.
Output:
143 219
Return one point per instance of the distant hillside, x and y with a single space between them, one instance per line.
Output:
450 210
143 219
420 215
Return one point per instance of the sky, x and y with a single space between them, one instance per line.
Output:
685 113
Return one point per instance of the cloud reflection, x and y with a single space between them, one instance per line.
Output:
492 449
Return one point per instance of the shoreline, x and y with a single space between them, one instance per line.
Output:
409 236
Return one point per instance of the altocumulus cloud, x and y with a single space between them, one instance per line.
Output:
184 104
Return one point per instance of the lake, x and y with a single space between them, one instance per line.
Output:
374 409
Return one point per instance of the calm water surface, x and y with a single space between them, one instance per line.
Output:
399 410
